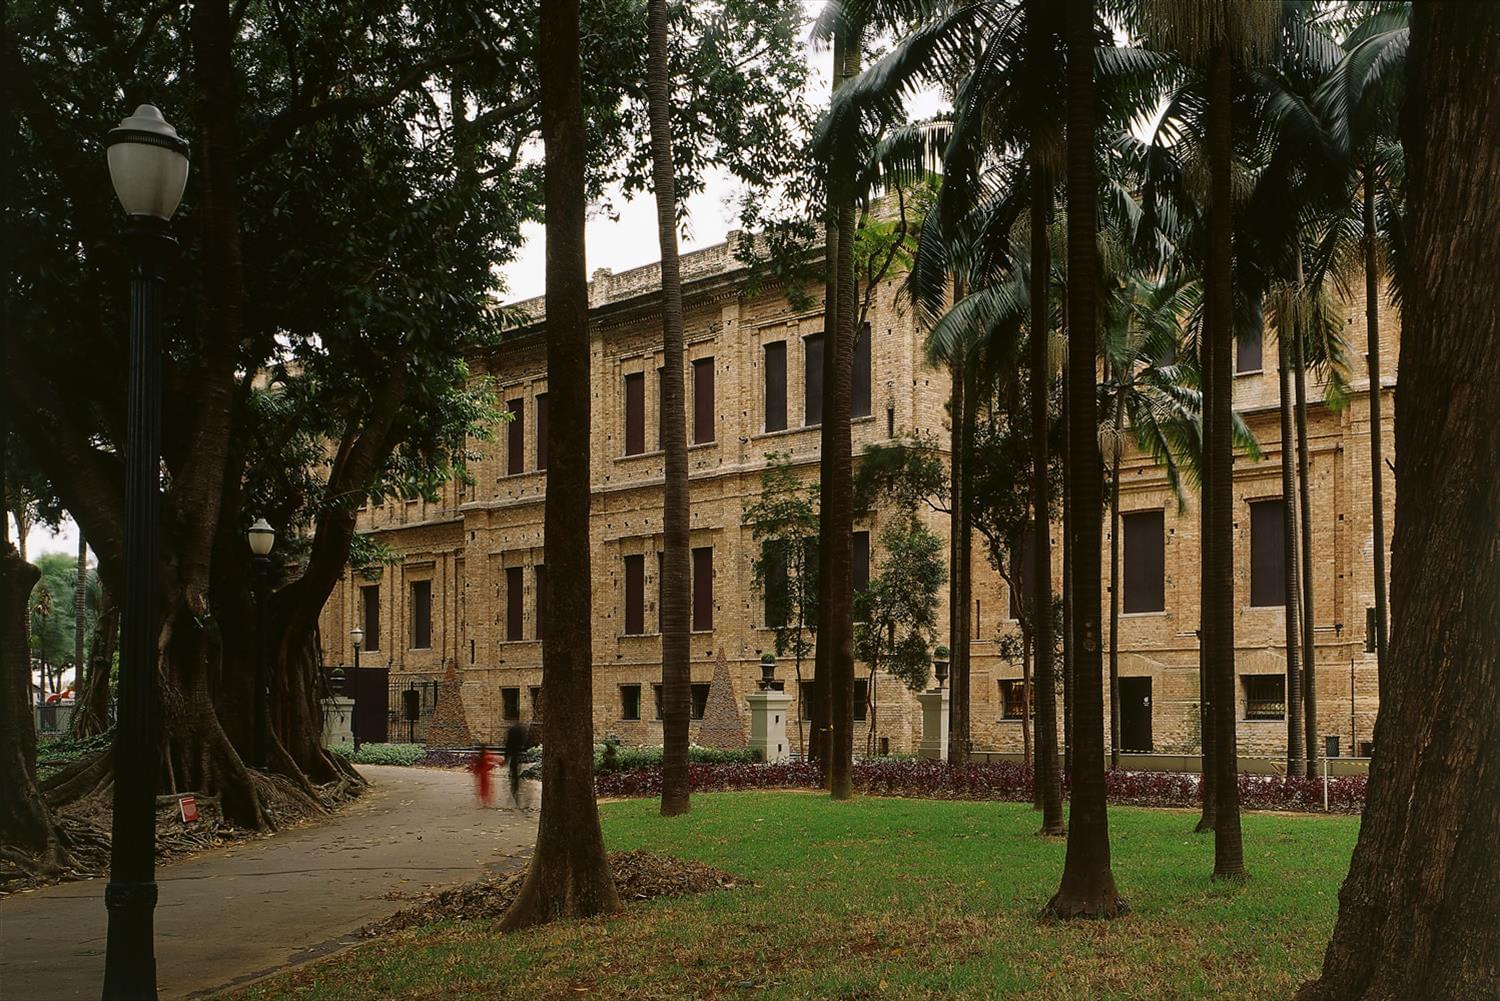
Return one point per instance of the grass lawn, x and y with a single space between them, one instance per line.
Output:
895 898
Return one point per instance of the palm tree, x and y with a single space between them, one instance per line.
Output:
1088 884
569 874
80 598
1361 99
676 654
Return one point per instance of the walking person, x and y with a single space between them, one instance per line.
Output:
517 738
482 765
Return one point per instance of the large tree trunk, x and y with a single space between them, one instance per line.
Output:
25 824
1067 591
91 704
1419 915
676 665
1229 854
837 495
1048 778
956 405
1377 453
1114 580
1294 744
1208 757
569 874
80 601
1088 883
1304 522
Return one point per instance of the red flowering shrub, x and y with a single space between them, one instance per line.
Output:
1001 780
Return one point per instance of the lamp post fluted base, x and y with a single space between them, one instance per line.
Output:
132 908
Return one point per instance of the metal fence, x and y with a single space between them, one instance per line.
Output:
409 708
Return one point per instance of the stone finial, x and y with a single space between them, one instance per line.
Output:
723 727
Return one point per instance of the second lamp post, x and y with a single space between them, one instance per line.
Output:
262 537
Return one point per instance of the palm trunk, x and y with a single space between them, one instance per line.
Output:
676 655
838 496
1114 583
1208 780
1088 882
569 874
1419 914
1026 643
1229 853
1048 778
1294 745
1377 454
822 686
1067 589
960 732
1304 521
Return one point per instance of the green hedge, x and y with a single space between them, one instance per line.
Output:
611 757
382 754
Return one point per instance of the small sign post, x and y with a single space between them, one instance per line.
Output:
189 807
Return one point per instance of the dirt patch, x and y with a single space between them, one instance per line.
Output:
639 875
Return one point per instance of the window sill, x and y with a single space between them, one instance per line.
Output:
1279 720
1253 371
1161 613
517 642
782 433
1013 719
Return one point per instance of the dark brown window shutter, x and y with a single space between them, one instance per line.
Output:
635 413
812 387
516 438
1249 348
541 600
775 362
371 595
859 384
1145 561
776 584
541 431
703 588
859 562
421 614
513 605
635 595
1267 555
703 401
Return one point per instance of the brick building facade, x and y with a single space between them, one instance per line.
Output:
464 585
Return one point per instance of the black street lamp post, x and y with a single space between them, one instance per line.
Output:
148 166
357 637
262 537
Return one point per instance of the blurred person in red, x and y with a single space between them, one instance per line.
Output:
482 765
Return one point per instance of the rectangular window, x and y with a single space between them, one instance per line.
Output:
635 413
541 602
513 603
804 699
635 595
1013 699
656 698
515 437
370 598
978 620
775 362
1248 351
510 704
859 383
861 699
1145 561
776 583
630 702
703 589
537 702
703 401
541 431
1265 696
700 701
421 614
1267 553
812 385
859 561
1370 629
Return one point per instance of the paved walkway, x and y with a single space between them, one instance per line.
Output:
236 913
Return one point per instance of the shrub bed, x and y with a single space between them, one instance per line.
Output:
383 754
998 781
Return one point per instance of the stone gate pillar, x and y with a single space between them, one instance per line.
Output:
934 724
768 711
